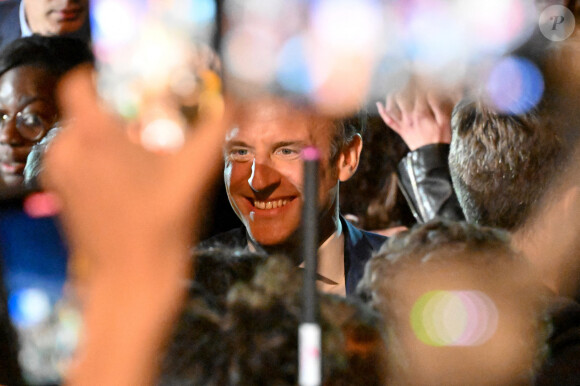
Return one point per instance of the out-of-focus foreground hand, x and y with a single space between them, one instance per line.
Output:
131 213
420 113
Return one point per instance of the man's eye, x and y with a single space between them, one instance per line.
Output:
288 152
239 154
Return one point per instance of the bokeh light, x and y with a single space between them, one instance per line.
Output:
257 9
251 54
114 23
162 136
433 38
41 204
149 54
391 73
28 306
196 12
293 72
454 318
515 85
495 26
339 54
345 35
156 54
347 25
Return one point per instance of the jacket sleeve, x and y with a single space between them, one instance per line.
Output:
425 181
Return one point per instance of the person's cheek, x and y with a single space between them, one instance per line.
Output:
328 184
292 172
236 176
228 168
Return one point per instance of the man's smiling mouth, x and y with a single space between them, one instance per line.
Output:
271 204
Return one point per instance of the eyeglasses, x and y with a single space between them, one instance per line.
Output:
29 125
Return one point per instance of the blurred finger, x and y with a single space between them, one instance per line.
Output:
77 93
389 121
392 108
405 102
422 113
204 146
441 108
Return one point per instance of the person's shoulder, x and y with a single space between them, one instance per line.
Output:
359 247
9 22
375 239
9 4
235 238
356 235
562 364
9 11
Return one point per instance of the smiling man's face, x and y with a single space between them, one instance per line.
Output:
56 17
264 171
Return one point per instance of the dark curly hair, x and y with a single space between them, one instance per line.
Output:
56 54
372 194
254 339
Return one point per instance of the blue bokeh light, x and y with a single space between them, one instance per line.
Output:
293 73
203 11
29 306
515 85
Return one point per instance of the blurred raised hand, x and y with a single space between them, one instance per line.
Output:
131 213
420 113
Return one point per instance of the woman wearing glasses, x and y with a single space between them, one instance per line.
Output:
30 69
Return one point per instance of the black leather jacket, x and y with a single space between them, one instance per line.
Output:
425 182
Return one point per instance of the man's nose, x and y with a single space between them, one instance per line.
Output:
264 178
9 133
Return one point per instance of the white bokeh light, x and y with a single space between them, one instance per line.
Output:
162 136
116 22
348 25
251 54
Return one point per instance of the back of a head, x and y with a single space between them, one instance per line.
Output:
254 340
54 53
460 306
502 165
505 166
217 269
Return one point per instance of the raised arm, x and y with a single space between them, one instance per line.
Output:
421 115
131 213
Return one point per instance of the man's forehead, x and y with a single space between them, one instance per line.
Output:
279 122
269 114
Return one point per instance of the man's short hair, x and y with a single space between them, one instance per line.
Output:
345 130
502 165
56 54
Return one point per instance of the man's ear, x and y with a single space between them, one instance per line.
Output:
349 158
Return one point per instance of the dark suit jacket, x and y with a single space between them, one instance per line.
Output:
10 24
561 367
359 246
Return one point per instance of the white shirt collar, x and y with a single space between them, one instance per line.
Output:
330 263
24 27
331 278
